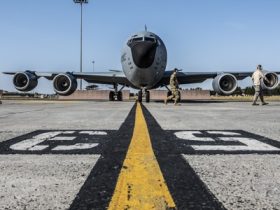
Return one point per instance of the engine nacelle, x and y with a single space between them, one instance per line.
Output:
224 84
25 81
273 81
65 84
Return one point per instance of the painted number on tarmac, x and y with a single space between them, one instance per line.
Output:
94 142
223 141
32 143
58 141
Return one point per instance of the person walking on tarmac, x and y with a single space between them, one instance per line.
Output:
257 77
174 86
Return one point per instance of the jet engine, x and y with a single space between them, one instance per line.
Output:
64 84
25 81
224 84
272 83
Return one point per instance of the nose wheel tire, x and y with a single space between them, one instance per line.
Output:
111 96
147 96
140 94
119 96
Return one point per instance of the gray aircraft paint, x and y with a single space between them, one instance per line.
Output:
151 75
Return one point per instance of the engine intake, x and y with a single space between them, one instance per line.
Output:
224 84
273 81
25 81
64 84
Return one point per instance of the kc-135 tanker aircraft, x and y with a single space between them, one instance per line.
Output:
144 59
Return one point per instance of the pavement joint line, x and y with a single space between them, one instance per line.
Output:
141 184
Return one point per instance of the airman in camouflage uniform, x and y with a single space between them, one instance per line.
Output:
257 77
174 85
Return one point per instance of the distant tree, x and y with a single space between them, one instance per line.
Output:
249 91
238 91
212 93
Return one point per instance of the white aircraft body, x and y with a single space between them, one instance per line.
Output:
144 59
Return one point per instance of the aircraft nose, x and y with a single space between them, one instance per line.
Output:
143 53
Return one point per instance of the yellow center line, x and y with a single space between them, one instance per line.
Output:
140 183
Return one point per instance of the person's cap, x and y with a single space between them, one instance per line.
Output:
259 66
175 70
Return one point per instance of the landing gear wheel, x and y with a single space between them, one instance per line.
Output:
111 96
179 100
119 96
147 96
169 93
140 96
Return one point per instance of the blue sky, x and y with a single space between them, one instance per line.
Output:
200 35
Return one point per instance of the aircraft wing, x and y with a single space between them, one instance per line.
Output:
111 77
198 77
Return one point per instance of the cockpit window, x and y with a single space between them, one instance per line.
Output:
149 39
138 39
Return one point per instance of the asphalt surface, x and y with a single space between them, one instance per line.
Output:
67 155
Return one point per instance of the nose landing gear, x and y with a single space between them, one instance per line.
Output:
140 95
147 95
144 93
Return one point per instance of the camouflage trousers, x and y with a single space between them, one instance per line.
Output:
258 93
174 95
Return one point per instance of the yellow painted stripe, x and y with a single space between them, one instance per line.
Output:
140 183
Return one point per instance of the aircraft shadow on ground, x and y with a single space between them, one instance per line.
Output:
194 101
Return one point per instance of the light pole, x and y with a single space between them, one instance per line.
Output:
92 66
81 2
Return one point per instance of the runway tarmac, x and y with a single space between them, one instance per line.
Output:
123 155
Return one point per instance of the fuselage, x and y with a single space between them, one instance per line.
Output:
144 59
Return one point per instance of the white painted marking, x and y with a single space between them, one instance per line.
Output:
38 148
250 145
68 132
93 132
75 146
190 136
32 144
62 138
28 144
226 133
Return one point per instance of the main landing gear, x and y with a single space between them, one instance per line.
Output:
116 95
146 95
